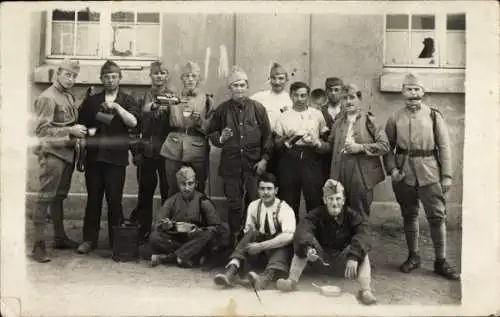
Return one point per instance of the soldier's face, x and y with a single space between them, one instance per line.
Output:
111 81
159 77
66 78
333 93
278 82
187 186
334 203
238 89
267 191
300 97
351 102
413 93
190 80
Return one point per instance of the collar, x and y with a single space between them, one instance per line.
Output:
190 93
155 91
357 115
413 109
60 88
240 103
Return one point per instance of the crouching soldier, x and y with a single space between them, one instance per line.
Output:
268 232
336 236
188 226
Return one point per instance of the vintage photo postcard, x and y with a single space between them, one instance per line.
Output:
250 158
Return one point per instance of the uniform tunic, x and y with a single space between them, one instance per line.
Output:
55 112
360 172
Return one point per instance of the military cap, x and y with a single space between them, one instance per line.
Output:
110 67
184 173
332 187
333 81
157 66
277 69
190 67
412 79
70 65
237 74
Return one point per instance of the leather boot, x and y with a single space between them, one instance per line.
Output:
443 268
413 262
262 281
40 253
228 277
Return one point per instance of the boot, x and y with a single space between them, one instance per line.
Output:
65 243
228 277
262 281
40 253
286 285
367 297
443 268
413 262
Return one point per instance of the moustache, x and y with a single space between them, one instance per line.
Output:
415 98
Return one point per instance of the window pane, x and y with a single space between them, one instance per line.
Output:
122 17
397 48
424 48
87 15
87 39
60 15
422 22
397 21
148 40
455 49
148 17
62 38
455 22
122 40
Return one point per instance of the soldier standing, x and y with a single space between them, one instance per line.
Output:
421 169
56 118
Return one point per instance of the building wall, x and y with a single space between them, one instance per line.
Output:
310 47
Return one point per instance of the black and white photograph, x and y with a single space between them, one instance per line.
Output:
250 158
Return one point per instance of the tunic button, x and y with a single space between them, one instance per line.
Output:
241 123
242 137
241 150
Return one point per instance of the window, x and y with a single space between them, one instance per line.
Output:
103 34
425 40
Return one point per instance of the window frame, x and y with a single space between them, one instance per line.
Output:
104 48
441 33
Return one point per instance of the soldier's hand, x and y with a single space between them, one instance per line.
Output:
137 160
312 255
446 184
254 248
260 167
78 130
354 148
196 115
226 134
351 269
397 175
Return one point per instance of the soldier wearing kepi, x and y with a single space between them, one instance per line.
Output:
56 126
276 101
421 169
357 143
240 126
150 164
187 141
113 115
338 238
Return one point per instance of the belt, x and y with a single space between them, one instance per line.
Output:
188 131
415 152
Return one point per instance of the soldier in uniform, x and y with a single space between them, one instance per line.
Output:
146 154
240 126
420 166
187 141
276 101
357 144
56 126
333 88
188 227
113 114
298 135
333 234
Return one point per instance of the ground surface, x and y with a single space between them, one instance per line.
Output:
99 285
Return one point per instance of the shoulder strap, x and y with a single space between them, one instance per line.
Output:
259 211
275 217
434 113
203 216
369 125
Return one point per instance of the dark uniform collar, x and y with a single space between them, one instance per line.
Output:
190 93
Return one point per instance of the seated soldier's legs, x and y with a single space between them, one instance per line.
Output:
162 242
196 246
279 259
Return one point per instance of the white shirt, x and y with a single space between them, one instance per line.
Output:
110 97
293 122
273 102
333 111
350 131
286 217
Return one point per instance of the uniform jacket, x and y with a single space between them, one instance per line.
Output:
55 111
111 142
187 140
252 135
153 125
324 233
413 130
367 132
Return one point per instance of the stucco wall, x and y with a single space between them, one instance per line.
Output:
312 47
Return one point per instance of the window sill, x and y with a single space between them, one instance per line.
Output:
435 80
132 75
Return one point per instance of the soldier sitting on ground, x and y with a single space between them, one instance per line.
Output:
336 236
268 233
188 227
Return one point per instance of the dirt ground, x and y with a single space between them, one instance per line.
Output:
73 271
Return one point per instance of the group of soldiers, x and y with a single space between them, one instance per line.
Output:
276 145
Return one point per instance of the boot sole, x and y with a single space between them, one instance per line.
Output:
221 281
284 286
410 269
